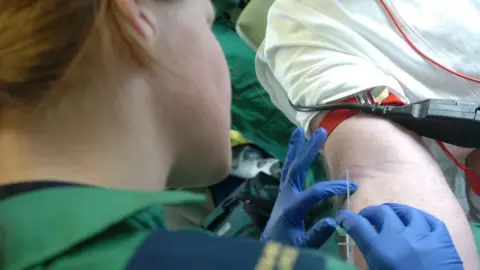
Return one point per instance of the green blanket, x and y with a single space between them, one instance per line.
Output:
253 113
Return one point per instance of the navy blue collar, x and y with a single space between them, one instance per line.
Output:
10 190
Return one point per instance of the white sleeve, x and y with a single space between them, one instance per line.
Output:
315 58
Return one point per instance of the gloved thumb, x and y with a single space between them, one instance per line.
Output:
357 227
306 201
320 232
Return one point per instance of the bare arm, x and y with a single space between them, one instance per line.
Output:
391 164
317 60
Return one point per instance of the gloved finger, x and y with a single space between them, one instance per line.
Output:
304 159
320 232
307 199
434 223
412 218
298 134
310 150
357 227
382 216
300 144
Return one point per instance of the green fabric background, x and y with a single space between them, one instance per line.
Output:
253 114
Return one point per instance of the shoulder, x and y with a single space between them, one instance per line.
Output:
343 25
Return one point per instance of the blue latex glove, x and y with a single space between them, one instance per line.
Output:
286 223
396 236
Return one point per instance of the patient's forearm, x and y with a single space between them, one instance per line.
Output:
391 164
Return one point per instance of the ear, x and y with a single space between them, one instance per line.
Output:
139 18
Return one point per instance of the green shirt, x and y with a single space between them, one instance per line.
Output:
94 228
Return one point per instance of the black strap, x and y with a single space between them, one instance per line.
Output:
266 180
258 208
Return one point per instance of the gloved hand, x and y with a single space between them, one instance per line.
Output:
286 223
396 236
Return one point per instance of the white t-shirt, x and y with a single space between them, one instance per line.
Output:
318 51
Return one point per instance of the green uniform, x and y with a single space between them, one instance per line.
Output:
51 224
94 228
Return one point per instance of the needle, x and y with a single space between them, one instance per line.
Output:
348 243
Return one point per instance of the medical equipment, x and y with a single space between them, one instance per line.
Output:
249 160
451 121
246 211
348 244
